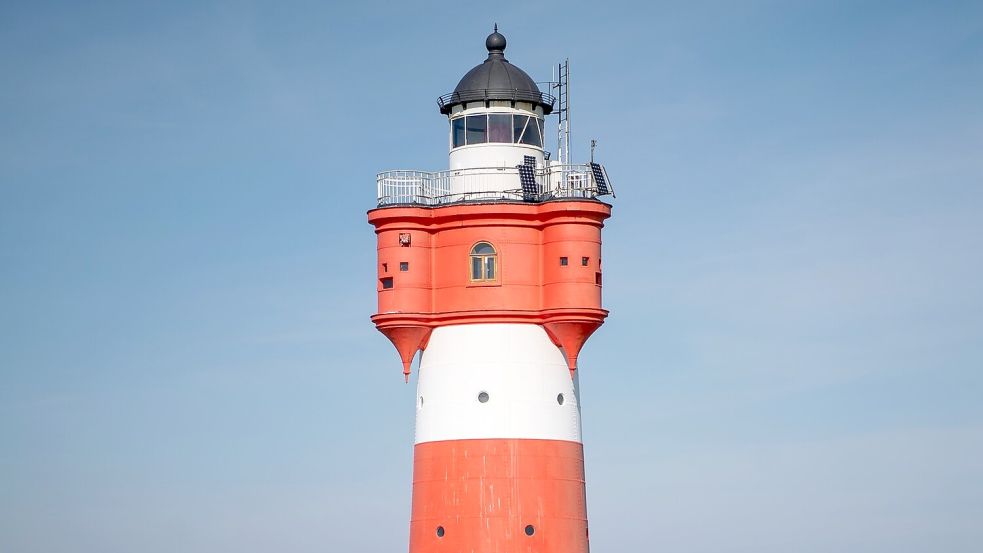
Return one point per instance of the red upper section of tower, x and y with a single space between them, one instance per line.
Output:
477 263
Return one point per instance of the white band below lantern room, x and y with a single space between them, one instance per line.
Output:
482 381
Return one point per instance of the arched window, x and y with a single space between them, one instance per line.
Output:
484 261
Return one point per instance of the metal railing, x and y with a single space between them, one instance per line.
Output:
404 187
452 98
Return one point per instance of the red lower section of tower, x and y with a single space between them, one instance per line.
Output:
499 496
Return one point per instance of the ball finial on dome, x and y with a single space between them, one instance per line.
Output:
495 41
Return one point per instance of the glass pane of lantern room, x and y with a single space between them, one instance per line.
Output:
500 127
518 124
532 136
477 129
457 132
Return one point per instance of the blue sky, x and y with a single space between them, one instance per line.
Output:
794 359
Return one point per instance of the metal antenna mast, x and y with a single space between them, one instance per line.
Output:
562 86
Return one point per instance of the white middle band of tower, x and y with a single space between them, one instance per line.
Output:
482 381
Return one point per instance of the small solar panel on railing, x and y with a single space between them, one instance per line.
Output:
602 183
528 180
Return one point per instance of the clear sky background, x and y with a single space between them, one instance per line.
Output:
794 358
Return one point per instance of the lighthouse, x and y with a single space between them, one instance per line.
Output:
492 269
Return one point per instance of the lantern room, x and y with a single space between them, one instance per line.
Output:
496 114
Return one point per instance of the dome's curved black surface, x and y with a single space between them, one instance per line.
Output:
495 79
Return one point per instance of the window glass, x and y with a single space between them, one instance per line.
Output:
499 127
532 135
483 248
457 132
477 129
475 268
518 124
490 267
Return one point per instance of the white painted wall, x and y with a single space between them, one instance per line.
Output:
493 155
520 369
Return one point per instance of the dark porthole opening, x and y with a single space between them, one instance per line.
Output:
530 530
440 531
559 398
483 397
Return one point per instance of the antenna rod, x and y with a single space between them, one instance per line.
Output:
562 86
569 153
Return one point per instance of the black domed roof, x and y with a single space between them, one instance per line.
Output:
495 79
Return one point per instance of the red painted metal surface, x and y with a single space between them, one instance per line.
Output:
548 270
479 496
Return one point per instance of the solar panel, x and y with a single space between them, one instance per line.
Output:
528 180
529 160
602 184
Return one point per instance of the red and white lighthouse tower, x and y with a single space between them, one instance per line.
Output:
493 270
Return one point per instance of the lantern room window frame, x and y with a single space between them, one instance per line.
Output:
496 127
